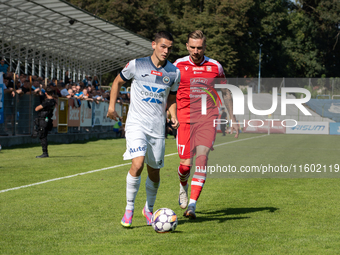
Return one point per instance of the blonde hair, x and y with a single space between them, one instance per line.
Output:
197 34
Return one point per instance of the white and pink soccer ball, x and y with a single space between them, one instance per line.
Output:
164 220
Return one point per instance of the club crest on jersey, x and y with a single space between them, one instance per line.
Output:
209 69
156 73
166 79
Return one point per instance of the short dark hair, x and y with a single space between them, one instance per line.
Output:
49 91
197 34
164 34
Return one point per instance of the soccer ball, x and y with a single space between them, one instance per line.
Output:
164 220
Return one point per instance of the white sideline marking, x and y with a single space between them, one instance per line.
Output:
106 168
65 177
239 140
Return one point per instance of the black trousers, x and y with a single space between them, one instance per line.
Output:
223 126
43 139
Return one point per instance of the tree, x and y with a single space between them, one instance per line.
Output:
298 40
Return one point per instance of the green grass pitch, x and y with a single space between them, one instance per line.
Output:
245 214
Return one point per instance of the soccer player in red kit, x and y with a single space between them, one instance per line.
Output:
196 133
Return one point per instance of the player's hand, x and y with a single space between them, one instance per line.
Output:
234 127
175 123
112 114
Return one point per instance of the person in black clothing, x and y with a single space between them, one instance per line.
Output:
44 121
67 79
223 117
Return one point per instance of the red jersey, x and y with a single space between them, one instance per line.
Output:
196 80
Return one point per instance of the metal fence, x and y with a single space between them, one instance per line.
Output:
19 114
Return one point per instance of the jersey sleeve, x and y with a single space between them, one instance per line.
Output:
175 85
220 71
129 71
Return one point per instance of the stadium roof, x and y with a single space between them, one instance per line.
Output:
64 36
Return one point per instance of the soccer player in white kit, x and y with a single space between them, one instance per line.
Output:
153 90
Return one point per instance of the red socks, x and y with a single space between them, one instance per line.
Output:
199 177
184 174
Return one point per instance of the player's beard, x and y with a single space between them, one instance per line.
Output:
196 58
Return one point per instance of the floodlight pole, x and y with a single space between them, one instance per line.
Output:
259 81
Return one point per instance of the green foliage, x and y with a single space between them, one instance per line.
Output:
298 40
313 93
244 91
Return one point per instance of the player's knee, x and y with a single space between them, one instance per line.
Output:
153 174
186 162
202 150
136 167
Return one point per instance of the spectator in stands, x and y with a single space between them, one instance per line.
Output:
106 95
118 128
25 88
9 111
97 96
74 88
78 93
63 90
36 86
67 79
125 98
6 89
89 81
95 82
3 66
11 88
9 77
85 81
70 93
18 87
22 79
86 95
41 81
89 90
55 88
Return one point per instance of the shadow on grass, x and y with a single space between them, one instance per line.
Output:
223 215
132 227
71 156
37 144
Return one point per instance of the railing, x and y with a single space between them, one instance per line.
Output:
82 116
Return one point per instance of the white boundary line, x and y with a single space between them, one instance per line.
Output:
111 167
220 144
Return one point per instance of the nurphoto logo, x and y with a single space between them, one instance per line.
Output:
238 104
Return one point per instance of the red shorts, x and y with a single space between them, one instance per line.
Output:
190 135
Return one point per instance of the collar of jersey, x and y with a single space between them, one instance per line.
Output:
166 61
204 59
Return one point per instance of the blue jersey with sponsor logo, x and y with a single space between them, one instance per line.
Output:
150 89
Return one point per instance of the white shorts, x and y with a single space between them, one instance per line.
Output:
140 144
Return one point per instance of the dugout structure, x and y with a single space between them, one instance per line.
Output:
49 37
